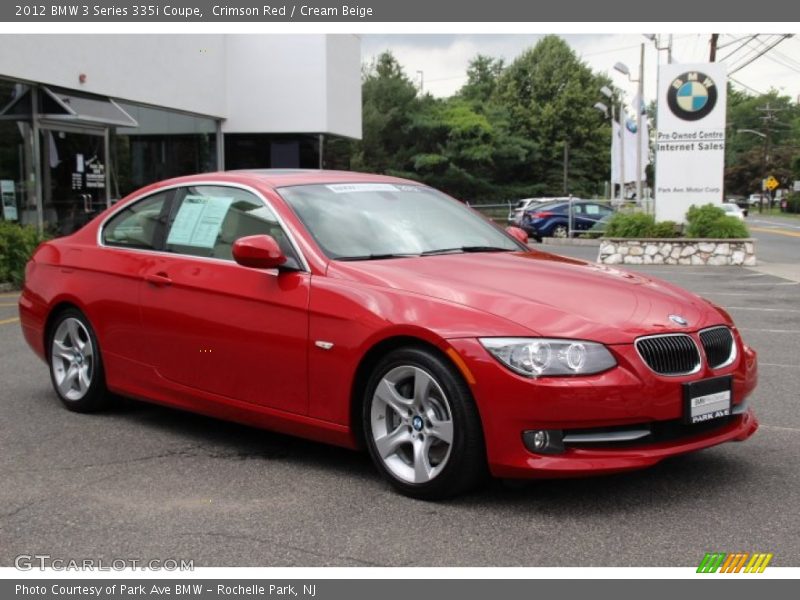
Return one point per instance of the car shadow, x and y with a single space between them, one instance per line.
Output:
672 482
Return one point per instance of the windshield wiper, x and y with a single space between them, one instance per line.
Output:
375 256
461 249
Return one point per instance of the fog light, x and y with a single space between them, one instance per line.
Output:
543 441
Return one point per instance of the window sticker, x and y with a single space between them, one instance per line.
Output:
198 221
348 188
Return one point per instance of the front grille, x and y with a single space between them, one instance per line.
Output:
670 354
718 345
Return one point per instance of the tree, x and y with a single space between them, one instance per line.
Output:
550 95
482 75
389 103
747 158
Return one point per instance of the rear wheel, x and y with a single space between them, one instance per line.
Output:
422 428
76 368
560 231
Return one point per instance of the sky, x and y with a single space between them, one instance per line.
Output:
443 58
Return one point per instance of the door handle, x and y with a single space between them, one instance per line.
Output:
158 279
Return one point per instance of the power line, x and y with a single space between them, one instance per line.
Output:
735 50
744 85
760 54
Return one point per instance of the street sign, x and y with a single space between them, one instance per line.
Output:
771 183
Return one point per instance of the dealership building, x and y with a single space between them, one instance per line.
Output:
86 119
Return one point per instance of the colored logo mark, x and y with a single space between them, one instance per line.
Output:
692 96
737 562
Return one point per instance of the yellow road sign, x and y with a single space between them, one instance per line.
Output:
772 183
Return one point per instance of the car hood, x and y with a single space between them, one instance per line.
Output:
548 295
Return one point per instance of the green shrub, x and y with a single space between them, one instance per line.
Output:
639 225
17 243
666 229
630 225
709 221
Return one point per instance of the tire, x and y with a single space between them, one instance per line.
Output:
422 427
76 367
559 231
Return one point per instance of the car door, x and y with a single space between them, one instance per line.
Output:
219 327
127 240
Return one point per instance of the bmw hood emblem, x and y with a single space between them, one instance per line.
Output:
678 320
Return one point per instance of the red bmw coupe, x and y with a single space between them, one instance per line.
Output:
370 311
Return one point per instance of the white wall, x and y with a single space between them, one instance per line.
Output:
258 83
176 71
294 83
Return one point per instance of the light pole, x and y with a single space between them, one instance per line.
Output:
608 113
622 68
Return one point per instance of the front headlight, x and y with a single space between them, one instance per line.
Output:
542 357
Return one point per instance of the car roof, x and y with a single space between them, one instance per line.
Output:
276 178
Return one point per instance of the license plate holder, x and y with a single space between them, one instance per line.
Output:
707 399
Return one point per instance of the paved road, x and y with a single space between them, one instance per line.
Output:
148 482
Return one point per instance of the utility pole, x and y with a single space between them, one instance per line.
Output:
421 82
712 54
768 118
566 166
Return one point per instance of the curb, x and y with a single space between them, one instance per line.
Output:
570 242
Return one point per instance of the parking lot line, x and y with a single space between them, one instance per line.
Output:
776 230
781 310
8 321
763 364
12 295
8 304
780 428
794 331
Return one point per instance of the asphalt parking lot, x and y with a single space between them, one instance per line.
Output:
147 482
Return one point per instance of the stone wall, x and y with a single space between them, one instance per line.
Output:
677 251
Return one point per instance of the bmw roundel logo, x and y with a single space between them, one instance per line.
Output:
678 320
692 95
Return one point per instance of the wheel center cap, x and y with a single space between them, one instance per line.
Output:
78 358
417 423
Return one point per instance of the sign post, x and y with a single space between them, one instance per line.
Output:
690 141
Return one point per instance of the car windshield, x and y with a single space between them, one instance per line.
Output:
363 221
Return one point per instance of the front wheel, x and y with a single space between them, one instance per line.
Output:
76 368
560 231
422 428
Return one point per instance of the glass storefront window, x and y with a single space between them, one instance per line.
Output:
17 197
165 144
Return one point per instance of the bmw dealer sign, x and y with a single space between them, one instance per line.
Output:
690 140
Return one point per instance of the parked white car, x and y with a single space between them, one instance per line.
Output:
754 199
733 210
515 214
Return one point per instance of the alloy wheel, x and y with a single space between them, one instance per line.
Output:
72 359
412 424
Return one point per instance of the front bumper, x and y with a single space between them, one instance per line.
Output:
629 395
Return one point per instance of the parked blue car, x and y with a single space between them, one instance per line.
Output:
552 220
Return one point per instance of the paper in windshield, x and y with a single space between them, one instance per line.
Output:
198 221
349 188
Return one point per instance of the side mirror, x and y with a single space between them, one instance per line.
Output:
518 234
258 252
